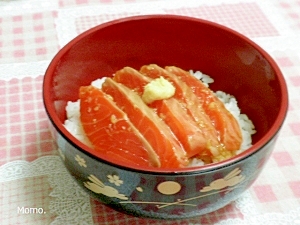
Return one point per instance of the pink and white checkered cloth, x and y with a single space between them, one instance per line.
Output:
28 37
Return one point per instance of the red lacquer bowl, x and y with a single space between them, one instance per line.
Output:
238 66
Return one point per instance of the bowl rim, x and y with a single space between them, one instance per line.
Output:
58 125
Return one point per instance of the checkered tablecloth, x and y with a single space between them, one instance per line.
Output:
31 174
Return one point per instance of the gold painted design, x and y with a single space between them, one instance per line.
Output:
139 189
169 187
223 185
114 179
159 204
231 179
81 161
98 187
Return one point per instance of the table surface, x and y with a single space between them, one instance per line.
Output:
31 174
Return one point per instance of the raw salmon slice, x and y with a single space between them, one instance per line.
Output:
225 123
110 131
170 110
182 125
132 79
158 134
184 93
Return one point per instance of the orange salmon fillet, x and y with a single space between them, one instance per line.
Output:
170 110
171 153
215 150
224 122
110 131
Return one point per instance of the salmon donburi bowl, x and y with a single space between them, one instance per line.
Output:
164 116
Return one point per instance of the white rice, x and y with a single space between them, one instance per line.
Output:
73 124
